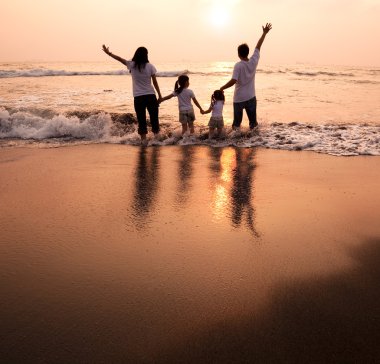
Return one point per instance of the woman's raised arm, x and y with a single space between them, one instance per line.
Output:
114 56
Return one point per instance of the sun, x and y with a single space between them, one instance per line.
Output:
219 17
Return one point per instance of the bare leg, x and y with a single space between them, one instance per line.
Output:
191 126
144 140
220 131
210 132
184 128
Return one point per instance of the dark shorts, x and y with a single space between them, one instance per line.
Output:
250 109
216 122
186 117
142 103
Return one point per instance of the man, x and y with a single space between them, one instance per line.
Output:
243 77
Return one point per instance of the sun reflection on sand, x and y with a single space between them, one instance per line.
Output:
222 184
220 202
232 173
227 160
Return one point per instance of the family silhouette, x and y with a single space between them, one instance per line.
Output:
145 86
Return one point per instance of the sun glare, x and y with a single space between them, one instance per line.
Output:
219 17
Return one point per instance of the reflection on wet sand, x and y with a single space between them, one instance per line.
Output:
78 287
185 171
232 173
220 168
146 184
232 179
242 188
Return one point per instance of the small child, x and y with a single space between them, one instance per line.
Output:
185 95
216 119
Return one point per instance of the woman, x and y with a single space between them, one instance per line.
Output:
143 73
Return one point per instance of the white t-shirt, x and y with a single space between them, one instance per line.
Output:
141 81
244 73
184 99
217 109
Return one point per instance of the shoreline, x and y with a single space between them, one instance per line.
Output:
100 129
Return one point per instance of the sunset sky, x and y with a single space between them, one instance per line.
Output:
343 32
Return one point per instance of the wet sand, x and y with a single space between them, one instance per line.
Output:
117 254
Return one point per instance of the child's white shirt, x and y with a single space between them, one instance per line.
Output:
184 99
217 109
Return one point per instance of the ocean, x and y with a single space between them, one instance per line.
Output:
327 109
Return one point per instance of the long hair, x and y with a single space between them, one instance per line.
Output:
140 58
180 84
217 96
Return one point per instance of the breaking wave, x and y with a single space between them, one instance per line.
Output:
44 72
41 72
47 128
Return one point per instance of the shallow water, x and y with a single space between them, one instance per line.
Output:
333 110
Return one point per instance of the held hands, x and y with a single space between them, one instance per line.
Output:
267 28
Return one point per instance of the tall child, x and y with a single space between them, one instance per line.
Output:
185 96
216 119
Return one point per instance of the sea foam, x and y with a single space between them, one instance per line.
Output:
42 72
304 73
101 127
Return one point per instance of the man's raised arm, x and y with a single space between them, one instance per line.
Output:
266 30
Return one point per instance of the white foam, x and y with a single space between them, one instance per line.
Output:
329 138
172 73
25 125
42 72
334 139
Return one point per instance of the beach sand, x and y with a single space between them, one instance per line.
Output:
120 254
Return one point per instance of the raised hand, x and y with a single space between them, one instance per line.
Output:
106 49
267 28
